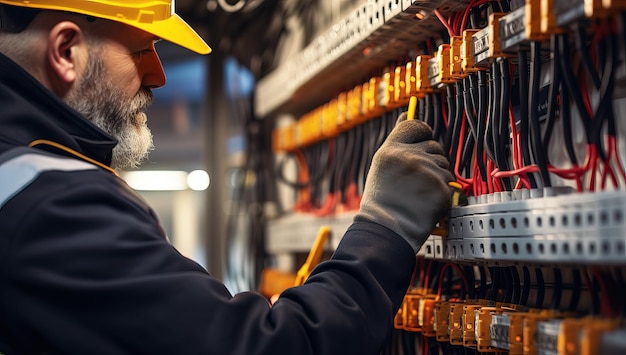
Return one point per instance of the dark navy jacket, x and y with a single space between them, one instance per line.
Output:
85 267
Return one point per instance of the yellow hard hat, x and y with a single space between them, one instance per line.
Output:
156 17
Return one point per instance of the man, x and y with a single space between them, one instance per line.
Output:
85 267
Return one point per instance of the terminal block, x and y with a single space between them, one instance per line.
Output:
439 68
456 324
422 82
467 52
568 11
442 321
400 96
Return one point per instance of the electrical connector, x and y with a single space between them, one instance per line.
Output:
483 329
568 342
590 336
595 8
410 311
548 24
376 88
512 31
531 322
469 323
499 331
385 89
427 315
400 97
547 336
442 321
439 68
455 328
329 119
342 109
568 11
480 45
354 106
467 52
533 21
422 82
409 79
456 58
614 5
516 333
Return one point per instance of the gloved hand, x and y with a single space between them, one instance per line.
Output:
407 185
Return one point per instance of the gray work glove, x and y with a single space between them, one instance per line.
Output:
407 185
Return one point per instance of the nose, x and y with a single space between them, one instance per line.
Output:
154 76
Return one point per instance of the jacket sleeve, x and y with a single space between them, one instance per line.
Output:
87 269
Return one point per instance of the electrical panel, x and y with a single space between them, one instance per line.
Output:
528 100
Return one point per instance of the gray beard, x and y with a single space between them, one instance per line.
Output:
124 118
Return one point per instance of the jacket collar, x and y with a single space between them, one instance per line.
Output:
31 112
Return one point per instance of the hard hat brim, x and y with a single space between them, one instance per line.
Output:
175 30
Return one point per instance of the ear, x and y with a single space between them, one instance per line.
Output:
65 46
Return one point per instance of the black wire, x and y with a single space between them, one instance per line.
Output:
541 288
482 291
535 135
555 74
481 125
452 108
567 74
493 117
420 114
566 124
515 298
583 52
438 124
605 113
525 286
456 127
429 117
523 105
557 289
468 272
576 290
509 285
503 127
469 106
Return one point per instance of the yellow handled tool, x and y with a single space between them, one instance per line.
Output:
457 193
314 257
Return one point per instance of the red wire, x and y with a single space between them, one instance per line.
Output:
445 23
620 168
443 269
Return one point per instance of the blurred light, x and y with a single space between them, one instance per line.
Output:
198 180
159 180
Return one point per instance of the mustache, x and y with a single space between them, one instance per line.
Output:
142 100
